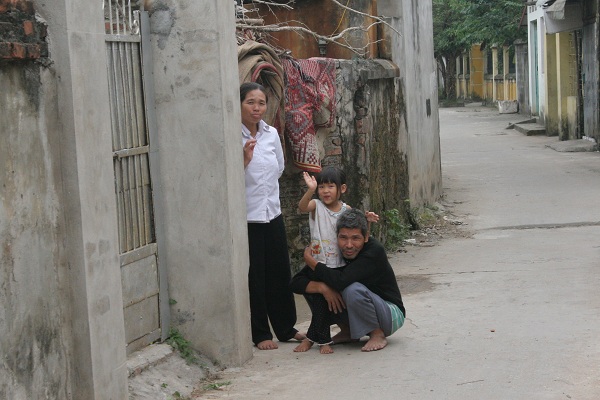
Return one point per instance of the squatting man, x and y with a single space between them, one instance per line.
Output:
362 298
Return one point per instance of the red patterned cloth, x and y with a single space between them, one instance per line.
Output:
309 104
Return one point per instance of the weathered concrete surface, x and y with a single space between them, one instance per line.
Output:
413 53
200 183
508 106
368 140
530 129
510 313
577 145
61 317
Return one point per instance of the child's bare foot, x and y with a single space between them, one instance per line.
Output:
325 349
376 342
300 336
267 345
303 346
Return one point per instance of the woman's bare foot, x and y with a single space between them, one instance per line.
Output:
300 336
376 342
267 345
304 345
325 349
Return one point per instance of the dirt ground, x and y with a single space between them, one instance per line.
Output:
173 378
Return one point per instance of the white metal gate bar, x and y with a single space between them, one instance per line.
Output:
143 294
130 143
118 16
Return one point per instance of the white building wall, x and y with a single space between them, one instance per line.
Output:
413 53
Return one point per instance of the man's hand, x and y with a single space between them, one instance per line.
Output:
334 299
309 259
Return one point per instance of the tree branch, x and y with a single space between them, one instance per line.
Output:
246 24
378 19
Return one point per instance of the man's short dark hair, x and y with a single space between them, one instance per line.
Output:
352 219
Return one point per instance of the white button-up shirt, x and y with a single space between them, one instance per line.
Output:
262 174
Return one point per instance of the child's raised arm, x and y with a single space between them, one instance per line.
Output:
307 204
371 217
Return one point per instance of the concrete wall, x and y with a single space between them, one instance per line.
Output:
34 331
551 119
368 141
591 70
522 72
388 145
61 320
537 62
566 84
413 53
200 182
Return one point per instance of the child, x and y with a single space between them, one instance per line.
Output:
329 184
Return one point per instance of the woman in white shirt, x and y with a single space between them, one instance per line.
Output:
269 275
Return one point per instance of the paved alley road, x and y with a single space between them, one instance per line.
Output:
511 312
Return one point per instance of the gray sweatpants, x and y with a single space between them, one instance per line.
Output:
366 311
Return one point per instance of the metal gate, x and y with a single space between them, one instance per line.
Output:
142 293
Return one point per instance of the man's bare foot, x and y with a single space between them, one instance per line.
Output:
305 345
376 342
325 349
267 345
300 336
343 336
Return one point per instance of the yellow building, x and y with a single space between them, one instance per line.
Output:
487 74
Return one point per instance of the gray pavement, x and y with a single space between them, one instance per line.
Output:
510 310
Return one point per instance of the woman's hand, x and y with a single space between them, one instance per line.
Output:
249 151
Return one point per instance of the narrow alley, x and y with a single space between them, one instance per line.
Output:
511 309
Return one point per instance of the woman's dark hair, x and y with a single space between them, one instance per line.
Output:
247 87
332 174
352 219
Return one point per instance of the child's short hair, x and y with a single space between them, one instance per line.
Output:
332 174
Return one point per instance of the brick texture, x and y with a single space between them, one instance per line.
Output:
22 38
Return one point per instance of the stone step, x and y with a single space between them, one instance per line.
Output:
530 129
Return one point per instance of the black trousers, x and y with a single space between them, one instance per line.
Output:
271 299
320 324
319 330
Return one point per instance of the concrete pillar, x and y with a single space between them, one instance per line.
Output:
505 83
76 29
477 72
566 83
458 80
494 72
201 175
542 69
413 53
551 109
591 85
522 69
465 73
